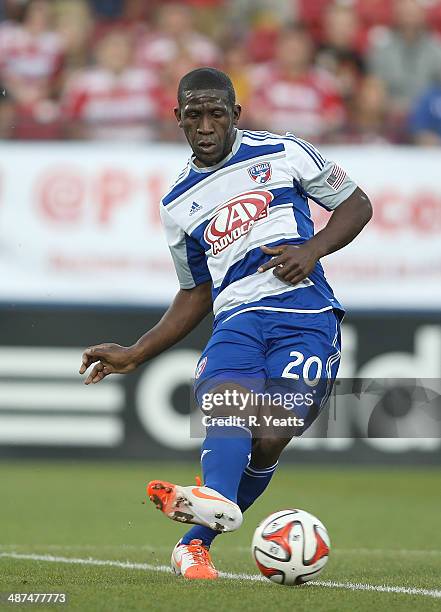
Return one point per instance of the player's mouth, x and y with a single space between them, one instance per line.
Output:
207 146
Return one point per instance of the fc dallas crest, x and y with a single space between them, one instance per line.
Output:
260 173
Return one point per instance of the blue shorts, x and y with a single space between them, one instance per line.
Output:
271 351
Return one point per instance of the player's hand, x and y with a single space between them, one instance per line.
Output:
109 359
291 263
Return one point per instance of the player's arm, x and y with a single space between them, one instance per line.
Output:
293 263
346 222
188 309
328 185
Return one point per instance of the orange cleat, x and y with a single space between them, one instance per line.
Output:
193 561
163 495
198 505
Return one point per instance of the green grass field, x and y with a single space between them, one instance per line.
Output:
384 526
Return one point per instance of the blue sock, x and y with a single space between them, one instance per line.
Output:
253 483
225 454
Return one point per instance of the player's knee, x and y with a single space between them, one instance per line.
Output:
266 451
227 400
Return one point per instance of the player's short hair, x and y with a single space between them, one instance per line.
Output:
206 78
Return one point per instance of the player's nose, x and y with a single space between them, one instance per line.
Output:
205 126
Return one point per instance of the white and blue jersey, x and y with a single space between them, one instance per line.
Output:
267 334
217 218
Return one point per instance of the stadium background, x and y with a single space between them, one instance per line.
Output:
87 147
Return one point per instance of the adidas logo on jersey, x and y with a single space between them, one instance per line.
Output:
194 208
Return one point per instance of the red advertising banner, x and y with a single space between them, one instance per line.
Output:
79 223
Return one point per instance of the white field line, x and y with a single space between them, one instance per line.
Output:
352 586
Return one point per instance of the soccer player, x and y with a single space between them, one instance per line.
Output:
239 229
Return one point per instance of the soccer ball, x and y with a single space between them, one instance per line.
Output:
290 547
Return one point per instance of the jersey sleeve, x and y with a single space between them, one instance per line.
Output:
322 180
187 254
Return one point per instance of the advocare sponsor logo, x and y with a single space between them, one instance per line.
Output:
236 217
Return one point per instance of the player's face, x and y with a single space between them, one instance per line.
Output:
208 120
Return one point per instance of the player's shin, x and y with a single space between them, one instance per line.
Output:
225 454
198 532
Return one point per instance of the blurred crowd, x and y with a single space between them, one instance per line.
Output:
360 71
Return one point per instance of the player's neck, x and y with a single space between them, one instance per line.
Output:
232 148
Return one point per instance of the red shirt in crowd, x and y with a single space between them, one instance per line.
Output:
157 50
28 57
112 106
308 106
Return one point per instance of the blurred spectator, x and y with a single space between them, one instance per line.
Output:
12 9
310 12
74 25
237 65
33 115
113 100
262 38
30 51
258 23
311 79
109 9
408 57
368 121
6 113
339 52
131 15
169 77
434 14
425 119
175 35
375 13
244 11
31 57
292 95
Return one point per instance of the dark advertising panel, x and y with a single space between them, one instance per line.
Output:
384 409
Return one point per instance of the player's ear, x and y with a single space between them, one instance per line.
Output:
237 109
177 112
